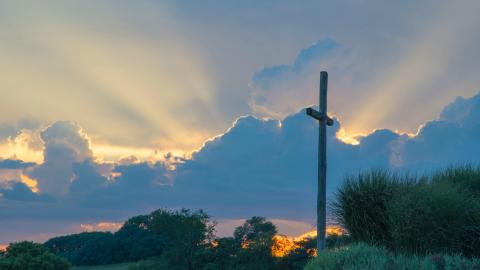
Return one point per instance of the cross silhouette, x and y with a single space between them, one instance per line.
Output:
323 121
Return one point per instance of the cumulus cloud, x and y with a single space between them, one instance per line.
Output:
257 167
64 145
278 91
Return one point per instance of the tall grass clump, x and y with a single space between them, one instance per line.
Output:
361 204
465 177
435 217
438 213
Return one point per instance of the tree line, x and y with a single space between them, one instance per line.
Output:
182 239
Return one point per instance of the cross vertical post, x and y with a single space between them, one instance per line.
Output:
323 120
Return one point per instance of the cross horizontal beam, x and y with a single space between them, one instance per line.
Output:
319 116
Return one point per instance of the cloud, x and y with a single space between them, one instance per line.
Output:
75 73
279 91
13 128
25 145
64 145
20 192
257 167
15 164
102 226
453 138
198 59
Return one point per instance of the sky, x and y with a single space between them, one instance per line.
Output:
115 108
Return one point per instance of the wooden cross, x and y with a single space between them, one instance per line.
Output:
323 120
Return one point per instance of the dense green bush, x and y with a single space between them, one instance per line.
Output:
363 256
31 256
361 204
435 218
465 177
440 213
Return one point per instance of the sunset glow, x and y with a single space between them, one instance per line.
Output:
284 244
113 111
348 139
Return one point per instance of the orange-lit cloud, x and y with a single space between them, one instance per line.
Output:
29 182
344 137
7 175
101 226
26 146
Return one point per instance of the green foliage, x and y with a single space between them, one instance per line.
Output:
94 248
249 249
222 254
255 237
435 218
361 204
31 256
138 241
335 240
363 256
188 233
133 242
465 177
439 213
297 258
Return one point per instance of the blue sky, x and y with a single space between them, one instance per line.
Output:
115 108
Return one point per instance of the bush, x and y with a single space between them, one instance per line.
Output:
363 256
31 256
465 177
435 218
361 205
440 213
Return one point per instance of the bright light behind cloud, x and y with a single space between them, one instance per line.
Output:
426 71
26 146
130 80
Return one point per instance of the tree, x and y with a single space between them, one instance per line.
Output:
187 234
88 248
31 256
134 241
138 241
255 237
222 254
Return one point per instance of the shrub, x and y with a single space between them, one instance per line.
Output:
335 240
361 204
465 177
363 256
360 256
435 218
31 256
